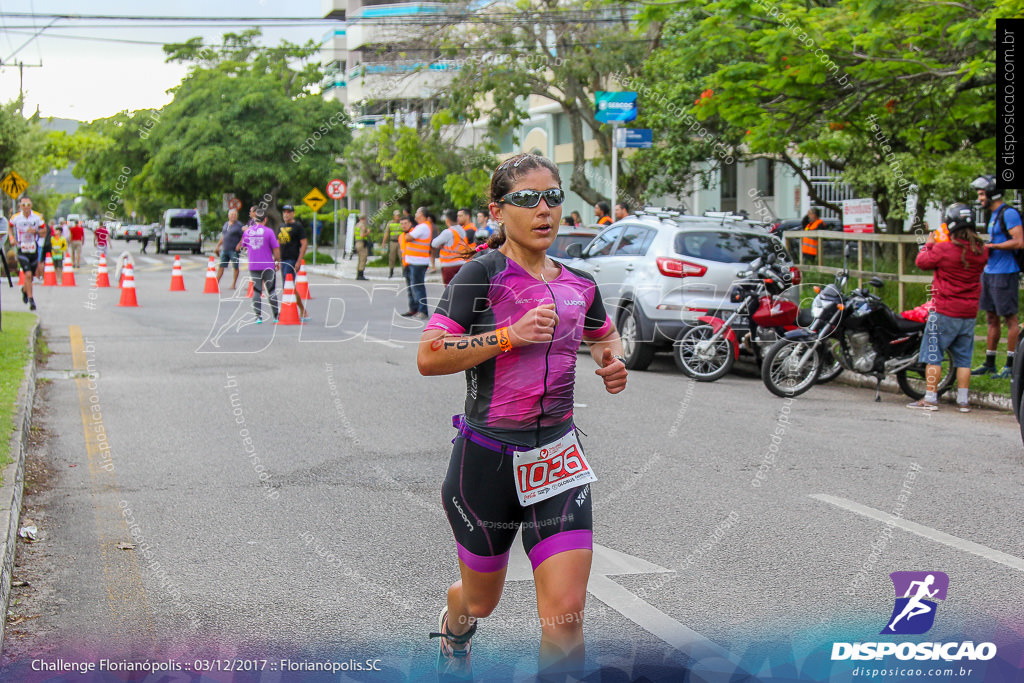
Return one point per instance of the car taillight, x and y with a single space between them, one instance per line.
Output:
795 276
673 267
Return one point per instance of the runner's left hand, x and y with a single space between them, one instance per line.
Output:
613 371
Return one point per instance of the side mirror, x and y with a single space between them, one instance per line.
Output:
756 263
876 282
575 250
771 258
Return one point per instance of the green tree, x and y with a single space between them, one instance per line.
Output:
885 94
247 119
560 50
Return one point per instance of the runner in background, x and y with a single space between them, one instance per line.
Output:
24 233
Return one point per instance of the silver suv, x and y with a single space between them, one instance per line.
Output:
659 273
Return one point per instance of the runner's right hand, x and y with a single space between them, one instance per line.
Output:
537 326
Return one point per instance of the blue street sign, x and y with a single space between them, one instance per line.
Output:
634 137
615 106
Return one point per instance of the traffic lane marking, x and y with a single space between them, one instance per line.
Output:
924 531
608 561
126 596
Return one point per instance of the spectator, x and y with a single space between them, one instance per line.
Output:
392 232
483 228
601 211
467 225
811 221
1000 283
77 240
406 225
621 211
59 247
451 242
956 288
100 238
227 246
577 218
292 242
567 222
417 254
362 246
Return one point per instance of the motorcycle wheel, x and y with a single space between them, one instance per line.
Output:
703 369
778 373
830 367
912 380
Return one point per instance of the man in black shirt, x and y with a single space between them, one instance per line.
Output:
292 238
227 246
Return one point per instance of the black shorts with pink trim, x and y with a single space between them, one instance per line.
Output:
479 496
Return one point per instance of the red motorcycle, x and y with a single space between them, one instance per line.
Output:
707 351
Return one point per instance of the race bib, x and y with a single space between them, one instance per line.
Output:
547 471
27 243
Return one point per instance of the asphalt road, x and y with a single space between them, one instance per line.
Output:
282 488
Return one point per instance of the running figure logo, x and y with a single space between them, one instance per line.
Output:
913 613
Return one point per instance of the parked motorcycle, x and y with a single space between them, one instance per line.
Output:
864 335
708 350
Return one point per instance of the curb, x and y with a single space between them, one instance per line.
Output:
974 398
14 480
349 273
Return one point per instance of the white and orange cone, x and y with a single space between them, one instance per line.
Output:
302 282
128 288
289 306
49 273
68 274
102 275
177 281
211 279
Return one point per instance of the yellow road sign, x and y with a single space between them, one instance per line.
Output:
13 184
315 199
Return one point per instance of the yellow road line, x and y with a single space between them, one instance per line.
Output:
126 596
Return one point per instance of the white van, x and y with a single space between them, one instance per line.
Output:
181 230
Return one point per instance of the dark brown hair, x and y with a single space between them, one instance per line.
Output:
504 178
973 242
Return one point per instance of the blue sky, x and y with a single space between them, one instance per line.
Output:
89 79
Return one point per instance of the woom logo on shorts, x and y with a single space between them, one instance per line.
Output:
913 614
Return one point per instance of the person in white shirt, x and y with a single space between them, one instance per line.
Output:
24 233
417 255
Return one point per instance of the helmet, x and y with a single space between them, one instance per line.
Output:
988 184
958 216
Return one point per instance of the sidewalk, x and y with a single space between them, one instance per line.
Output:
346 270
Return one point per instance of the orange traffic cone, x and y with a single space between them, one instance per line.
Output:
289 307
177 281
102 277
248 292
128 288
68 274
49 274
21 278
211 279
302 282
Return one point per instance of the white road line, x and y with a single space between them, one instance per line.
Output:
147 259
927 532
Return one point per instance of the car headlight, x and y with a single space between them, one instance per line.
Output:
817 306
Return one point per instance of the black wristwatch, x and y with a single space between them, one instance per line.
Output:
620 358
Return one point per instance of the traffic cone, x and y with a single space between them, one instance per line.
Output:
211 279
68 274
49 274
128 288
248 292
302 282
177 282
21 278
102 277
289 307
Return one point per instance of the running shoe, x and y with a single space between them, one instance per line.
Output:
408 315
259 321
923 405
420 316
1005 373
24 296
983 370
453 662
963 407
31 304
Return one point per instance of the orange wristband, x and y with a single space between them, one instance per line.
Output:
504 343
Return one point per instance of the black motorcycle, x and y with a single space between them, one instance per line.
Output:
862 333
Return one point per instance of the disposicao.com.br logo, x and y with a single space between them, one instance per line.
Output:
913 614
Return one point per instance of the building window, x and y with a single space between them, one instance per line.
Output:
766 177
728 187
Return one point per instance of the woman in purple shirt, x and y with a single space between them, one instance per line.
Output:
264 259
512 320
